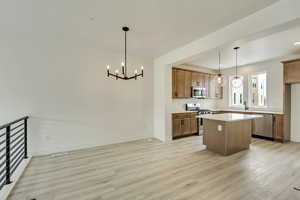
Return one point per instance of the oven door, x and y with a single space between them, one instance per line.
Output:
201 127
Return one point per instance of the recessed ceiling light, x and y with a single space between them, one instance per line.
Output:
297 43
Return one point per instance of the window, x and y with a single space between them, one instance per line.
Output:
236 93
258 90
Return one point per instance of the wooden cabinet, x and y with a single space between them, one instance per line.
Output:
181 83
188 84
197 79
292 71
278 133
184 124
178 83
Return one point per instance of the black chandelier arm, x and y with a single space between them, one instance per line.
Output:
116 76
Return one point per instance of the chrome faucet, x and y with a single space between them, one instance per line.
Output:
246 106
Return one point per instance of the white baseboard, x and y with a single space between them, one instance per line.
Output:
6 190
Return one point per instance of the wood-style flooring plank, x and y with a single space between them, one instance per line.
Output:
150 170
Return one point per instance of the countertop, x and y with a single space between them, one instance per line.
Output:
229 117
243 111
250 111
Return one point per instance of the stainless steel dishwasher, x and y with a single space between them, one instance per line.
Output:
263 126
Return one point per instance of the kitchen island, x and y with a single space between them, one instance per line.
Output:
227 133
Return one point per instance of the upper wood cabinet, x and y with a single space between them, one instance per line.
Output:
184 80
181 83
292 71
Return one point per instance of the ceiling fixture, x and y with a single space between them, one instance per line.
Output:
124 75
237 81
297 43
219 74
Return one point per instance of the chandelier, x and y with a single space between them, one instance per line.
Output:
123 75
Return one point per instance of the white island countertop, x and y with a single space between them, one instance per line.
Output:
229 117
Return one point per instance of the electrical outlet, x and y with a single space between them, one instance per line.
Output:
220 128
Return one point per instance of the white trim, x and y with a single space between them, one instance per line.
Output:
7 189
249 90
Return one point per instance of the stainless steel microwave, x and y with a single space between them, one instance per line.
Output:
198 92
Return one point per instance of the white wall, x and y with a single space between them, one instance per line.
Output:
71 102
295 114
274 70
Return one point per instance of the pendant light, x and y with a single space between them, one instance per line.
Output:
237 81
219 74
123 74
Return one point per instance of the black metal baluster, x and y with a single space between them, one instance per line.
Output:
25 139
8 181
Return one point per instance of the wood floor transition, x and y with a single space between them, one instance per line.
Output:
150 170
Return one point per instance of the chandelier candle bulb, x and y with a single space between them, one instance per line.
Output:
107 67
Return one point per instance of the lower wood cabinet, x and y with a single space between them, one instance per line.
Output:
184 124
278 128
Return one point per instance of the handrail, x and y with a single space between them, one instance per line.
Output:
13 148
13 122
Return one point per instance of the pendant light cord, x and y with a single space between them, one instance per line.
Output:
236 61
219 62
125 54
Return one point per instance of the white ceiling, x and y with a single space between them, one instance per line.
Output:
274 46
158 25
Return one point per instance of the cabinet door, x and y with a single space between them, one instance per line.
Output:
186 126
206 85
213 85
201 80
180 83
195 79
177 127
188 84
292 72
174 89
278 127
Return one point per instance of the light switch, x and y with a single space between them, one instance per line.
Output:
220 128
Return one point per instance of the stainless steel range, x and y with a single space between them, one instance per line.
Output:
195 107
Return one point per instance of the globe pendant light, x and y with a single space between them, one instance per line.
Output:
219 74
237 81
123 74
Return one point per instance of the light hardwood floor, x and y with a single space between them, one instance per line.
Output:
149 170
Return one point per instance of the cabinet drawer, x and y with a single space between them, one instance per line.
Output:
183 115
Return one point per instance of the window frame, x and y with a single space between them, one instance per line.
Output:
230 91
249 89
